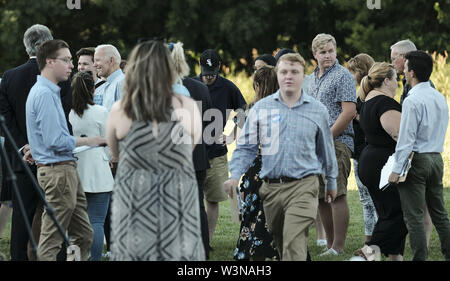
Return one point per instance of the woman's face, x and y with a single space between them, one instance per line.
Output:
392 84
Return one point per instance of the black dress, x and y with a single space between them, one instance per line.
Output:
254 240
390 231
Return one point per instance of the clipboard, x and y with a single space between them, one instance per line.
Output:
387 170
230 125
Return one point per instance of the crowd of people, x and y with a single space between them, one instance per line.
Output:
135 152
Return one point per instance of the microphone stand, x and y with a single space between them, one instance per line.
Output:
13 179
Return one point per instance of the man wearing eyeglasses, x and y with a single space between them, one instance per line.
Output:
225 96
398 51
51 147
14 89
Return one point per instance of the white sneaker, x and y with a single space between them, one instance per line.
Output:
107 255
329 252
321 242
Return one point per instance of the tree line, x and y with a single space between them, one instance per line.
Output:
239 29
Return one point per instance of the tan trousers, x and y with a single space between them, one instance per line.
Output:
64 193
290 209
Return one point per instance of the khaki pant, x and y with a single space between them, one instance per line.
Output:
216 175
290 209
343 155
64 193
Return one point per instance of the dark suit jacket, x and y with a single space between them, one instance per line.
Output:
14 88
199 92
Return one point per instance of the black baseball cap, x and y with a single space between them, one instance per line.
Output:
209 62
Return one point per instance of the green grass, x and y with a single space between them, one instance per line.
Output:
226 235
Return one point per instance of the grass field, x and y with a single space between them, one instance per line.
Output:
226 235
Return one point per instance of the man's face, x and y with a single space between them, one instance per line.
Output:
63 65
408 74
290 77
398 61
209 79
326 55
102 63
85 63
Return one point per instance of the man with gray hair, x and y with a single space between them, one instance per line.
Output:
14 89
107 62
398 51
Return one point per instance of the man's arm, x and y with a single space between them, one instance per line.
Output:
327 154
245 152
344 119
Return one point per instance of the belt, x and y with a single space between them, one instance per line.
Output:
284 179
57 164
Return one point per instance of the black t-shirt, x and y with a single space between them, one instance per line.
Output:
359 140
224 95
371 112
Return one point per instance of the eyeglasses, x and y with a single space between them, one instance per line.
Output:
66 60
396 57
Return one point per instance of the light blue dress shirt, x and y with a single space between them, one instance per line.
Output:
111 91
423 124
48 135
295 142
181 90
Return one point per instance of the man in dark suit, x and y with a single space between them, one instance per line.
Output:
14 88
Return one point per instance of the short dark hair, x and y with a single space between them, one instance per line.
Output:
421 63
47 50
89 51
82 91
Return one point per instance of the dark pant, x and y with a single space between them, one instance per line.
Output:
424 185
19 234
201 175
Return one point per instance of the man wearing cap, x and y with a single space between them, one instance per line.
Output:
225 96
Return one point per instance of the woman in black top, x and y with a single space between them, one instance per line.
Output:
380 120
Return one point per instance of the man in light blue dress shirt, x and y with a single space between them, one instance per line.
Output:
107 62
291 129
51 147
422 131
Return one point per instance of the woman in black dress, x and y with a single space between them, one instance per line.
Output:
380 120
255 242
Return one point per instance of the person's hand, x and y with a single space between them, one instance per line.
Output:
393 178
113 166
330 195
27 157
229 185
96 141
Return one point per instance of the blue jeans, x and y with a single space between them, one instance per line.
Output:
97 208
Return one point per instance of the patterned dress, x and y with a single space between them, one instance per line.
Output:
254 241
155 207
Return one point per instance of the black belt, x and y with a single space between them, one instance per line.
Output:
285 179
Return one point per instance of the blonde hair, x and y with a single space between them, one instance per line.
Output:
321 40
360 65
148 83
181 67
292 57
375 78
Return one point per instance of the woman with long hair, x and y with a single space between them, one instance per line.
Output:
255 242
152 131
89 120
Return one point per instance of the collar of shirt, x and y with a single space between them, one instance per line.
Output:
326 70
304 98
418 87
55 89
114 75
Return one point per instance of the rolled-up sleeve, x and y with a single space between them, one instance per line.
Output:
246 146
